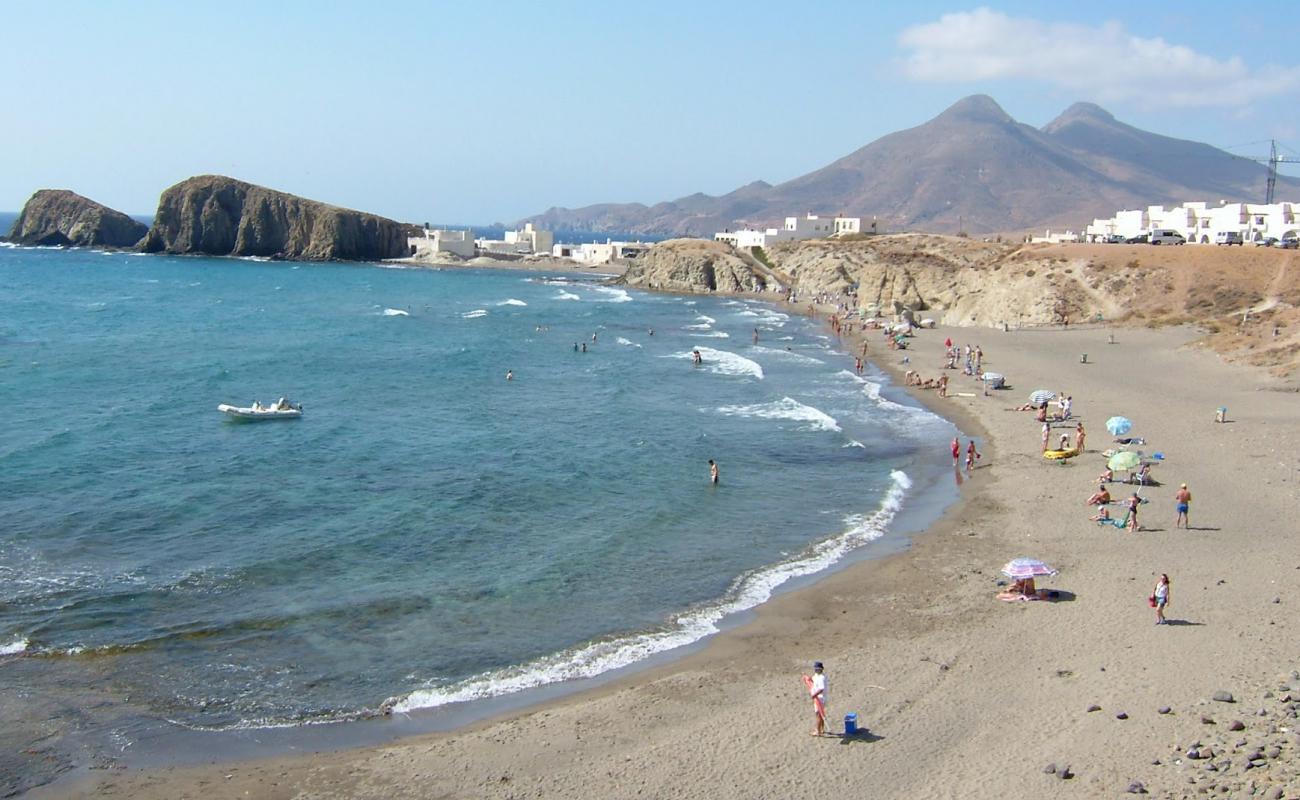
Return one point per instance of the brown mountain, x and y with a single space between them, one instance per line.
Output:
972 167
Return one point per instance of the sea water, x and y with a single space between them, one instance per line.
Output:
428 531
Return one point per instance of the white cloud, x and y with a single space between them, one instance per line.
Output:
1105 62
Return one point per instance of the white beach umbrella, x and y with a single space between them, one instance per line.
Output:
1026 568
1041 396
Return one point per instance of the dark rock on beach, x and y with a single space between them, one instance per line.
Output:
58 217
216 215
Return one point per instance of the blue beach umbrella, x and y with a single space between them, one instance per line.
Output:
1041 396
1118 426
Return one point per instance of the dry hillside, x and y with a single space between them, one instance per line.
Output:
1241 295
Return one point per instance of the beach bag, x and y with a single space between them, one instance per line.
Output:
1151 601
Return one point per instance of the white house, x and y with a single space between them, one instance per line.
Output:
528 241
592 253
1200 224
809 226
459 243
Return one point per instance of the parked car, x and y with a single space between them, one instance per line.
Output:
1167 236
1113 238
1267 241
1142 239
1289 243
1228 237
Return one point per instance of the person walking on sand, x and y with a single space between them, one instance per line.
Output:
1183 498
956 452
816 684
971 455
1047 434
943 385
713 472
1161 596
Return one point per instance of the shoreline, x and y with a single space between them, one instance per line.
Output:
750 667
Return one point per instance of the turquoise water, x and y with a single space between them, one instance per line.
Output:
427 531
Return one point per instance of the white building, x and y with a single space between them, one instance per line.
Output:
459 243
1199 223
592 253
528 241
809 226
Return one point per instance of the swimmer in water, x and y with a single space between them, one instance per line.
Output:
713 472
510 374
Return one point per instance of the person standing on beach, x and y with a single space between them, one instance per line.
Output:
1079 436
1161 595
1047 434
971 455
1183 498
1133 503
816 684
956 452
713 472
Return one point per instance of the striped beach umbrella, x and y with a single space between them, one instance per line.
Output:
1040 396
1118 426
1026 568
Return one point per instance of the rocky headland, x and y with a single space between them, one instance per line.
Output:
59 217
220 216
1247 299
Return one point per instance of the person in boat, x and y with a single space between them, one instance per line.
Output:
257 406
283 405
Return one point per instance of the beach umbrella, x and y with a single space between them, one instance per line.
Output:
1040 396
1026 568
1125 461
1118 426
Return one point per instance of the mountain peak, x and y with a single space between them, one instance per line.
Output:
1080 112
976 108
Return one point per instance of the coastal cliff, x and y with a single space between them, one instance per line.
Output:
693 265
216 215
1246 299
58 217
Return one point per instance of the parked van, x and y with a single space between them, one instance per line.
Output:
1228 237
1166 236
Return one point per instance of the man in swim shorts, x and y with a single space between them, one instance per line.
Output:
1183 499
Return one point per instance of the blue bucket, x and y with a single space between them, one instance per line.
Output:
850 724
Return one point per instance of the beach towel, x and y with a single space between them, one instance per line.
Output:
1118 523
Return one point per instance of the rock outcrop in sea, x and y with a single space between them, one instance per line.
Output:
220 216
59 217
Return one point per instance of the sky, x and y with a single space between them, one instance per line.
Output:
481 112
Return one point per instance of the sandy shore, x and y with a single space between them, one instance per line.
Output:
976 696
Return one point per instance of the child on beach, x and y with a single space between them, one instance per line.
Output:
1161 597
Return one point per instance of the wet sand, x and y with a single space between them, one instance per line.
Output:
960 695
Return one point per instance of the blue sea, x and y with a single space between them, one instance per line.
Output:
428 531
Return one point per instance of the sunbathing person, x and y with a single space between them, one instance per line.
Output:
1107 476
1102 515
1100 497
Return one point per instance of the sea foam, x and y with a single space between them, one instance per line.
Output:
475 314
786 408
746 592
395 312
512 302
721 362
13 648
